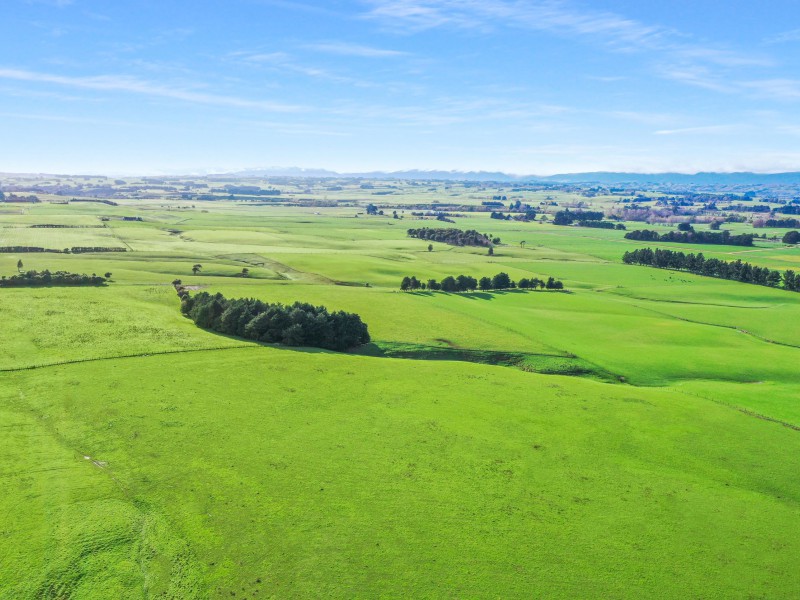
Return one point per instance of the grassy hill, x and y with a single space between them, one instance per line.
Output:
635 436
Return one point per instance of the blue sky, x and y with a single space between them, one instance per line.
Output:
522 86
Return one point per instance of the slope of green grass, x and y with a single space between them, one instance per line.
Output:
52 325
294 474
206 466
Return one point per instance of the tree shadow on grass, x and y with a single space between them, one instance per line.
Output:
489 295
249 342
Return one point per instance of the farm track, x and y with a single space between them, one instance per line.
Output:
282 270
120 240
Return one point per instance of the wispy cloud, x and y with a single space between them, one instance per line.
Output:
297 6
781 89
348 49
261 57
57 3
784 37
607 78
123 83
64 119
697 76
644 117
287 63
704 129
724 58
679 56
551 15
448 111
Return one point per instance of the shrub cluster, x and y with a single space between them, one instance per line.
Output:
465 283
713 267
454 237
692 237
42 278
298 324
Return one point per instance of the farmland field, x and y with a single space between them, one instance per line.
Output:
634 435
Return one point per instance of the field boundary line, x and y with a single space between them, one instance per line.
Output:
743 410
755 336
140 355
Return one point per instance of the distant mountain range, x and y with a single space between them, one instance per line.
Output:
599 177
709 178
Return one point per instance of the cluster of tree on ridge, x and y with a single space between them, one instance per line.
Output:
298 324
692 237
454 237
465 283
601 225
781 223
567 217
45 278
524 217
713 267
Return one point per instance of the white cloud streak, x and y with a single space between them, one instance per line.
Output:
680 58
704 130
357 50
550 15
122 83
285 62
784 37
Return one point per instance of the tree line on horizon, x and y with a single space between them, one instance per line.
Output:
465 283
692 237
73 250
793 223
713 267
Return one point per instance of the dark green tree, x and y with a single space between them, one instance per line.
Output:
449 284
791 237
501 281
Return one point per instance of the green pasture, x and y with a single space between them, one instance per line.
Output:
635 436
346 476
58 239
